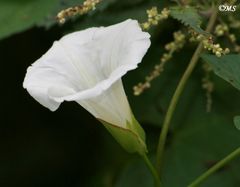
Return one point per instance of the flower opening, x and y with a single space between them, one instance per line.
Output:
87 67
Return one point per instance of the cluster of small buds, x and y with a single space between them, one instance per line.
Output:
234 24
154 17
215 48
237 48
178 43
208 44
221 29
232 38
208 86
87 6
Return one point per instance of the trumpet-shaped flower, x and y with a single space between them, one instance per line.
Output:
87 67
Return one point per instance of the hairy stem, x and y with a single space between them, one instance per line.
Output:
178 92
152 170
216 167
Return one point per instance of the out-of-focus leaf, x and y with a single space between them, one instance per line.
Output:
197 141
188 16
226 67
135 174
18 15
63 4
202 140
236 120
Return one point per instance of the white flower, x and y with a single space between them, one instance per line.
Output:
87 67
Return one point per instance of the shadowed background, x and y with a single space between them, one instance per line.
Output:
69 148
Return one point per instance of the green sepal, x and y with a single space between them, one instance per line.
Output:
131 138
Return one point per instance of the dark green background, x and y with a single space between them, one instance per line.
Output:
69 148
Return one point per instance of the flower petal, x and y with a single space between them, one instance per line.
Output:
111 106
84 64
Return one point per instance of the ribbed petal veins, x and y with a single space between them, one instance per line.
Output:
87 67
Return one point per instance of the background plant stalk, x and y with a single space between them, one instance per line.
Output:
178 92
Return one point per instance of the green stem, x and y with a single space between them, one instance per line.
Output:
178 92
216 167
152 170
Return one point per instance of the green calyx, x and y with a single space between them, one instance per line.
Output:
131 138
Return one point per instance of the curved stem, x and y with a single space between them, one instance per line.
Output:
178 92
152 170
216 167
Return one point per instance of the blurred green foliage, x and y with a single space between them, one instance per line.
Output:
237 122
226 67
19 15
69 148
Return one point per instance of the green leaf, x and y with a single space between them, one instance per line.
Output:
188 16
202 140
63 4
18 15
199 141
226 67
131 138
136 174
236 120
